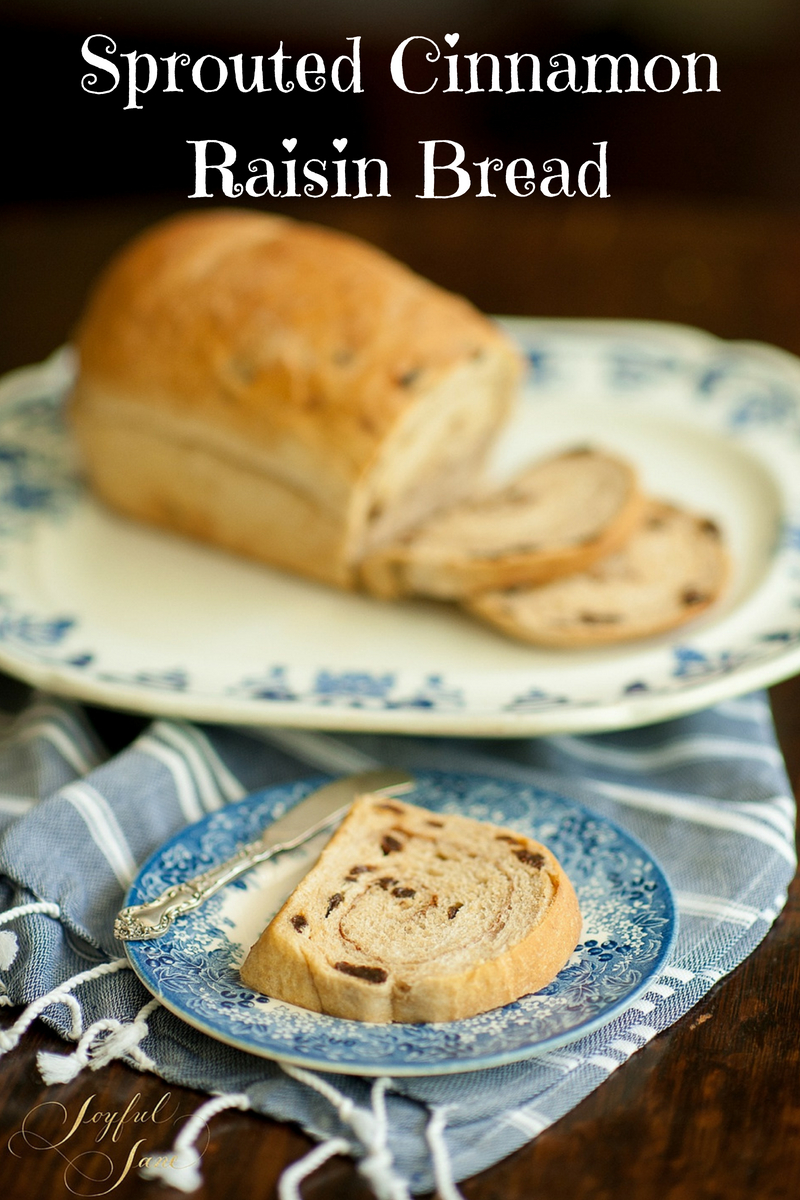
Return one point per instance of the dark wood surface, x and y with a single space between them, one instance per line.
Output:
711 1107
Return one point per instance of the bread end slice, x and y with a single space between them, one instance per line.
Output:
411 915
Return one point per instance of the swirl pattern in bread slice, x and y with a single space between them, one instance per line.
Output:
671 569
554 518
413 915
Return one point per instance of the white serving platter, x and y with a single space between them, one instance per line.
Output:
109 611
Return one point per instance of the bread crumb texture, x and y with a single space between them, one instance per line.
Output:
554 518
673 567
412 915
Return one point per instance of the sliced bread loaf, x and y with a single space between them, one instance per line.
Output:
556 517
413 915
282 390
670 570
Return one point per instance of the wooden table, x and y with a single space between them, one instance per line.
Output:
711 1107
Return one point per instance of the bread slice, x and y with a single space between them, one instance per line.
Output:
282 390
556 517
413 915
671 569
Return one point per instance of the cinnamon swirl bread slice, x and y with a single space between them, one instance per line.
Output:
413 915
556 517
670 570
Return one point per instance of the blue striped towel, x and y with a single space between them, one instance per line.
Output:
708 794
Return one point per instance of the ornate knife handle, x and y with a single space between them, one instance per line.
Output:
140 922
320 810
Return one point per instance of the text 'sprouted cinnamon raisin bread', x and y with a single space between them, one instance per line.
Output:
283 390
670 570
413 915
554 518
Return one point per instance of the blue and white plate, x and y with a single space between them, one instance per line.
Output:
107 610
627 906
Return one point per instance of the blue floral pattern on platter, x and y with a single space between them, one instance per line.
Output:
38 475
629 927
742 396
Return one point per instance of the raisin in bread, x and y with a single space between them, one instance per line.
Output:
556 517
671 569
283 390
413 915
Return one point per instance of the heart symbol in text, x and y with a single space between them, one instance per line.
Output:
451 38
290 143
339 144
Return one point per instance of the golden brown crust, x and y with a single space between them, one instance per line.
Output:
298 346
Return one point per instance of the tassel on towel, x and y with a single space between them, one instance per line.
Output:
96 1051
9 1038
181 1170
371 1129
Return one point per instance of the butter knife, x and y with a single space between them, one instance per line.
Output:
323 808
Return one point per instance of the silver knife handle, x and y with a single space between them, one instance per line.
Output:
142 922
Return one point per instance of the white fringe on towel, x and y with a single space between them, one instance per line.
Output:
371 1129
9 1038
440 1158
293 1176
9 945
96 1051
9 948
181 1170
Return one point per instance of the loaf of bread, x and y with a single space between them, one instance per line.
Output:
669 571
554 518
283 390
412 915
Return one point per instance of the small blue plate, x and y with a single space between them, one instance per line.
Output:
629 927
